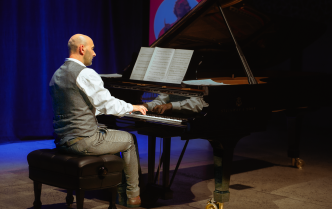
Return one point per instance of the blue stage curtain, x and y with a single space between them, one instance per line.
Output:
34 36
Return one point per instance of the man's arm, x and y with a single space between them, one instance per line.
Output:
93 86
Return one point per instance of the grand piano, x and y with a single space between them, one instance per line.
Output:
237 45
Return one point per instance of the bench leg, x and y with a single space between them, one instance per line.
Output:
79 198
37 190
69 198
112 192
121 190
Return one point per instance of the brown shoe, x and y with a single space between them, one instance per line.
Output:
134 202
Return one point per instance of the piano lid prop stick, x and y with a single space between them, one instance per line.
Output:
251 78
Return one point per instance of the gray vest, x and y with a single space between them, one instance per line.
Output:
73 115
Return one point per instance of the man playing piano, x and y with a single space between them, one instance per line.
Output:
78 95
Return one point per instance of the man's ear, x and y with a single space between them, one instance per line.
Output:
81 49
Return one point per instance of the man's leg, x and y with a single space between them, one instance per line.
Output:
111 142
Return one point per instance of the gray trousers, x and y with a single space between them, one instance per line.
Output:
109 141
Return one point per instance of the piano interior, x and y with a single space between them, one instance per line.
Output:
266 40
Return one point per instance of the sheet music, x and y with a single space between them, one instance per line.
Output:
179 66
159 64
142 63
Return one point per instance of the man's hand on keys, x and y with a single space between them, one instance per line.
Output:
140 108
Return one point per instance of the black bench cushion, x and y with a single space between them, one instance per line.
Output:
50 167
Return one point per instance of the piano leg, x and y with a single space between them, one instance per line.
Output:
223 155
153 191
152 158
167 194
295 120
164 191
166 159
294 124
150 193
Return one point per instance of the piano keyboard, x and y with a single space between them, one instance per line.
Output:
155 118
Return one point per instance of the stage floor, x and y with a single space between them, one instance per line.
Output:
261 173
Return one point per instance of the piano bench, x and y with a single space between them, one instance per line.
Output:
74 172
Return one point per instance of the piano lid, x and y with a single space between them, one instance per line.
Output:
265 39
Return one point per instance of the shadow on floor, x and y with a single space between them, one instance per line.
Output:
53 206
185 179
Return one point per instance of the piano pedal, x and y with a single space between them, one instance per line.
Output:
298 163
211 204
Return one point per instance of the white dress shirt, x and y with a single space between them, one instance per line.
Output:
92 85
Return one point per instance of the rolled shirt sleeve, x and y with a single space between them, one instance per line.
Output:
92 85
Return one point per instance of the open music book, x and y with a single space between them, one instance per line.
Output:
161 65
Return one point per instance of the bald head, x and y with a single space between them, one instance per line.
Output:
75 41
81 47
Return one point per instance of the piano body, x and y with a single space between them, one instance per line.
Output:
246 103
